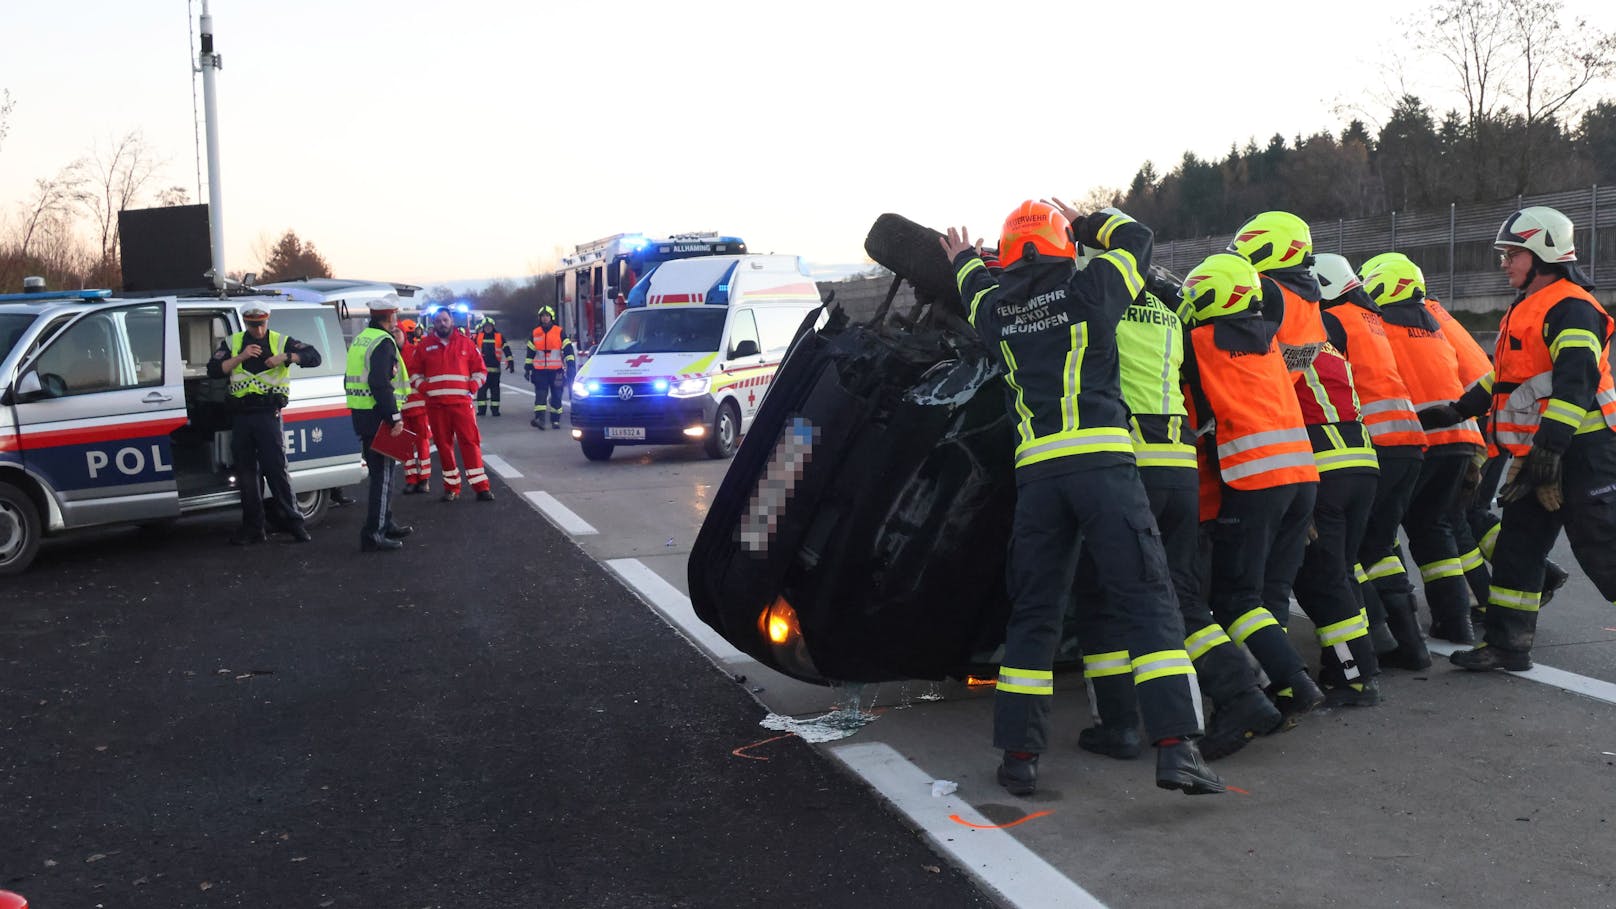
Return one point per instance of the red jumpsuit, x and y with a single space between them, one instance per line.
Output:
448 372
417 469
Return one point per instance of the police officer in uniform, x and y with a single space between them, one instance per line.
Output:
1054 328
258 364
377 384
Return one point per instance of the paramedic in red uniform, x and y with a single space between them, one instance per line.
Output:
417 468
447 368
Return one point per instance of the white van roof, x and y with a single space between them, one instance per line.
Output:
718 280
355 295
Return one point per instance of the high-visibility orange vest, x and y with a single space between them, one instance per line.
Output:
1384 404
1430 369
1473 360
546 348
1261 442
1525 373
1301 330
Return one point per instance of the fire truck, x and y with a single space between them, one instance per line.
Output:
593 283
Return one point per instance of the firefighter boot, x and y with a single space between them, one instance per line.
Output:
1348 678
1405 625
1237 722
1554 577
536 422
1018 774
1449 600
1483 658
1116 734
1380 633
1297 696
1179 765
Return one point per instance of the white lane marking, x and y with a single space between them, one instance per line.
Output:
501 466
1597 689
559 514
674 606
514 389
995 858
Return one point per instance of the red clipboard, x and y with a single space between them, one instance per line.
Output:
400 447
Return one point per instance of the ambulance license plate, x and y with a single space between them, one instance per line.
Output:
636 433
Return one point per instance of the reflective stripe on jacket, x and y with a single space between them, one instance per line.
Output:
1384 404
1261 441
549 349
1524 385
274 380
1150 351
1429 367
356 381
447 370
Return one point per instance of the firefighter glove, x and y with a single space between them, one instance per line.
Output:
510 366
1542 467
1471 482
1440 416
527 373
1550 497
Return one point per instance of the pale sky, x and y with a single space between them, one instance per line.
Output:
428 141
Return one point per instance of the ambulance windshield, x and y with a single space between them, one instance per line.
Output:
665 330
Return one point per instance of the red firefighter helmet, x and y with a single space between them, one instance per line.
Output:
1038 224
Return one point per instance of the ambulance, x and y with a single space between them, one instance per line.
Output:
690 358
108 416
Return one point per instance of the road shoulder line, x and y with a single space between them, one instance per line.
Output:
559 514
501 466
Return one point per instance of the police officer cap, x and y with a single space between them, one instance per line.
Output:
254 312
388 303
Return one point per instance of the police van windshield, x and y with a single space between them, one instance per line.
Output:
12 327
665 330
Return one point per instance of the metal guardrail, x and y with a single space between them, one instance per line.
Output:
1453 247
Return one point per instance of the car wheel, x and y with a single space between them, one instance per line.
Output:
20 530
726 431
312 505
596 449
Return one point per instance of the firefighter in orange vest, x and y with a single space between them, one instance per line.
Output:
1280 246
491 344
1078 486
1430 367
418 467
1353 322
448 369
1551 403
1257 446
550 360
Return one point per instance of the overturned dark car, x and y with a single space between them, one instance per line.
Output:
860 533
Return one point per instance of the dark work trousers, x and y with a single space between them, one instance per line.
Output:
1258 542
488 395
1528 533
1220 667
381 470
1325 583
258 446
1105 510
547 395
1430 536
1377 555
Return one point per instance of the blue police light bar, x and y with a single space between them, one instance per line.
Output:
41 295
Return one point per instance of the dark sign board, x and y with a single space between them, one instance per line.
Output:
165 248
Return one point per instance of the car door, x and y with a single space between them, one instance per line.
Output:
743 364
95 406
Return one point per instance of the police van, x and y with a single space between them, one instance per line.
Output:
107 415
690 358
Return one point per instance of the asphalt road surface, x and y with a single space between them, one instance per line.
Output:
484 719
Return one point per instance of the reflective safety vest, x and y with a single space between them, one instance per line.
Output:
490 344
544 351
1384 404
1324 390
1430 369
277 379
1301 333
1261 440
1150 354
357 380
1473 361
1525 371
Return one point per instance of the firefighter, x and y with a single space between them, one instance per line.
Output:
491 344
1430 367
377 382
258 363
1258 449
448 370
418 467
1353 323
1077 484
550 359
1280 246
1552 405
1150 348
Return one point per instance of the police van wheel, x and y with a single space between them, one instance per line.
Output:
726 432
312 505
596 449
19 530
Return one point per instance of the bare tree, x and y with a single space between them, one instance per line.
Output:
1556 64
53 201
172 196
118 176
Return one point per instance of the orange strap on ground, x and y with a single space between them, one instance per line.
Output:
753 757
959 820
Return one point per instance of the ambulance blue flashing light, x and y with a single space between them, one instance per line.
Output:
718 294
